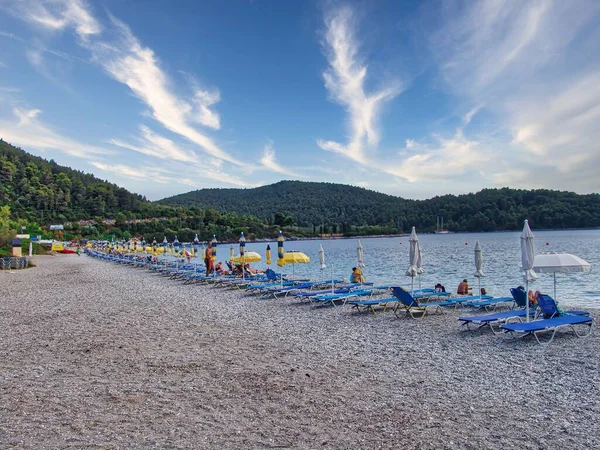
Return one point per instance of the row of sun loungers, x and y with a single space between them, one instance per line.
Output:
546 318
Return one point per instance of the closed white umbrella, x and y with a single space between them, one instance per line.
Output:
560 262
360 254
478 265
420 269
413 255
527 258
322 261
322 257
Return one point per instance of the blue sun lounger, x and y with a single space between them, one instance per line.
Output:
549 326
491 302
500 318
495 319
371 305
332 299
412 306
553 320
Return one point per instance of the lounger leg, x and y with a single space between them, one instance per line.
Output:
583 334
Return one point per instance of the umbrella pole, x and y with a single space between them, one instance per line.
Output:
554 285
412 286
332 290
527 295
479 279
419 281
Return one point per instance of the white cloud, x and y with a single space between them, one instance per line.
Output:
269 162
345 80
447 159
58 15
153 144
534 65
139 173
128 62
29 132
34 56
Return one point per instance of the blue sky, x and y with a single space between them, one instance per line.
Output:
409 98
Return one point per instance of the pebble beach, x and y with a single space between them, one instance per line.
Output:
97 355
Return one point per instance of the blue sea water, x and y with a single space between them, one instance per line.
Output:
448 259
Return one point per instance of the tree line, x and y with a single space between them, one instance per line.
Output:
36 193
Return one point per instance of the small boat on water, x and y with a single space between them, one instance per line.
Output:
439 226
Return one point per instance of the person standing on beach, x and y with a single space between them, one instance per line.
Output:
208 260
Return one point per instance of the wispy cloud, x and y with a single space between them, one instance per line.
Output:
11 36
128 62
447 158
269 161
535 67
152 144
149 173
30 132
58 15
345 80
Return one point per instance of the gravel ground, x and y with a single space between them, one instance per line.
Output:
98 355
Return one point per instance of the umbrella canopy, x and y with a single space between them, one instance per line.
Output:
280 250
176 242
268 255
322 257
295 257
413 256
527 257
561 263
478 265
196 244
360 254
247 257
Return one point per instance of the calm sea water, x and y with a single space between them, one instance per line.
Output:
448 259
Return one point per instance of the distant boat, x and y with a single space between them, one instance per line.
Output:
439 226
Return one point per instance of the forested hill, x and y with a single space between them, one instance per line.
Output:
33 186
341 206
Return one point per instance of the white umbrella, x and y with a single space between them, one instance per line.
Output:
527 258
360 254
560 262
413 256
478 265
420 268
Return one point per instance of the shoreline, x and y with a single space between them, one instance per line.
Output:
101 355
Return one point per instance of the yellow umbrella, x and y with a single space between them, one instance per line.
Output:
294 257
248 257
268 255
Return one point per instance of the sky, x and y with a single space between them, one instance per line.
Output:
409 98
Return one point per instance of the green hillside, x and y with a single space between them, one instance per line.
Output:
340 207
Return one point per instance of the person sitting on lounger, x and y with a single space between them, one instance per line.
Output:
357 276
532 297
440 288
463 287
251 271
220 270
483 291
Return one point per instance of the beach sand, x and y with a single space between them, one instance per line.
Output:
99 355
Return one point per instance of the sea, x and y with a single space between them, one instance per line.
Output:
447 259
